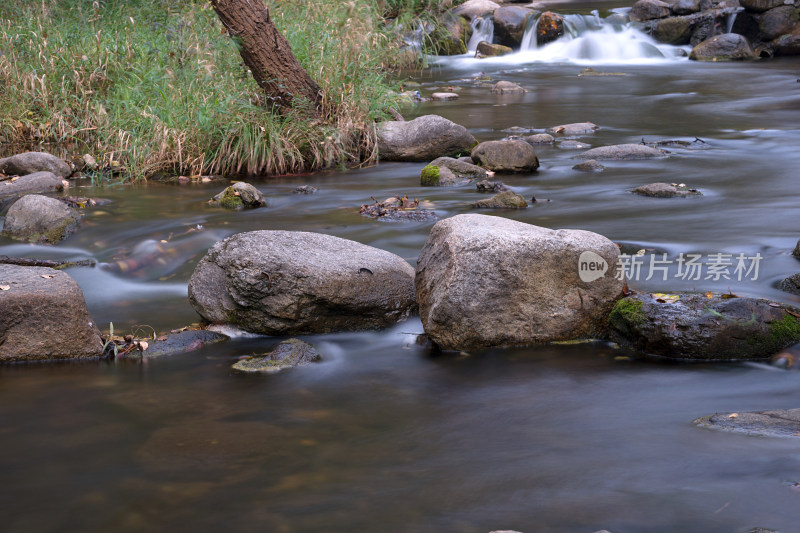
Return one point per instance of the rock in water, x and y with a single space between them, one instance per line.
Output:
701 328
649 10
288 354
725 47
780 423
539 138
294 282
485 49
41 219
507 87
506 156
488 281
239 196
623 152
576 128
549 28
503 200
445 171
43 316
590 165
509 25
35 183
665 190
32 162
422 139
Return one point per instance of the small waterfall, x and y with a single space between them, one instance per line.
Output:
482 30
731 20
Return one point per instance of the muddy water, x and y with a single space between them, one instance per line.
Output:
383 437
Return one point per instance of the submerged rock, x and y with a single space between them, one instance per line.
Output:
592 165
44 316
293 282
573 145
491 186
507 87
239 196
183 342
623 152
665 190
489 281
503 200
305 189
778 423
485 49
576 128
696 327
506 156
38 182
422 139
40 219
539 138
725 47
287 354
396 209
33 162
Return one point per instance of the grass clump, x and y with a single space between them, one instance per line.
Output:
155 86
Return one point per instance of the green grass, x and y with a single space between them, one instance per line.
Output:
158 86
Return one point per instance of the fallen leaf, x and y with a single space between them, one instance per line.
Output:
142 345
665 298
733 415
5 287
709 294
48 276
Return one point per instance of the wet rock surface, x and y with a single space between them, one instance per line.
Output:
239 196
422 139
592 165
288 354
503 200
489 281
539 138
446 171
725 47
777 423
43 316
183 342
665 190
399 209
32 162
259 282
507 87
485 49
490 186
40 219
695 327
576 128
623 152
36 183
506 156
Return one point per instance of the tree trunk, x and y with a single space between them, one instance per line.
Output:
268 55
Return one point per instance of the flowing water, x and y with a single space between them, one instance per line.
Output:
383 436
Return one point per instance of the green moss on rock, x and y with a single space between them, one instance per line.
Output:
430 176
628 311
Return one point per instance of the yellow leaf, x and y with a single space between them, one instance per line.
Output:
733 415
48 276
5 287
665 298
709 294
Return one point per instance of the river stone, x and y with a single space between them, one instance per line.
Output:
576 128
549 28
664 190
509 25
422 139
776 22
507 87
41 219
506 156
791 284
759 6
539 138
573 145
622 152
686 7
778 423
490 186
32 162
787 45
287 354
43 316
475 8
449 36
674 30
649 10
490 281
700 328
725 47
445 171
38 182
592 165
239 196
444 96
183 342
485 49
503 200
295 282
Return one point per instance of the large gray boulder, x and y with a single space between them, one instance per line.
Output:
489 281
701 328
41 219
725 47
759 6
622 152
30 162
422 139
506 156
293 282
38 182
475 8
648 10
776 22
509 25
43 316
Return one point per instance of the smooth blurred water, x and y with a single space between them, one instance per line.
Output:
382 436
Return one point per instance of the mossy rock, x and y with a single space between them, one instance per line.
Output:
238 196
429 176
692 326
288 354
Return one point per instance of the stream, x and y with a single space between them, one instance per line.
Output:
382 435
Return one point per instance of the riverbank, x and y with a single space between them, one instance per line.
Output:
150 87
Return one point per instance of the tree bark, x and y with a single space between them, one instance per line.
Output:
269 56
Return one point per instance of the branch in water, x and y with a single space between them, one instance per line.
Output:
24 261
